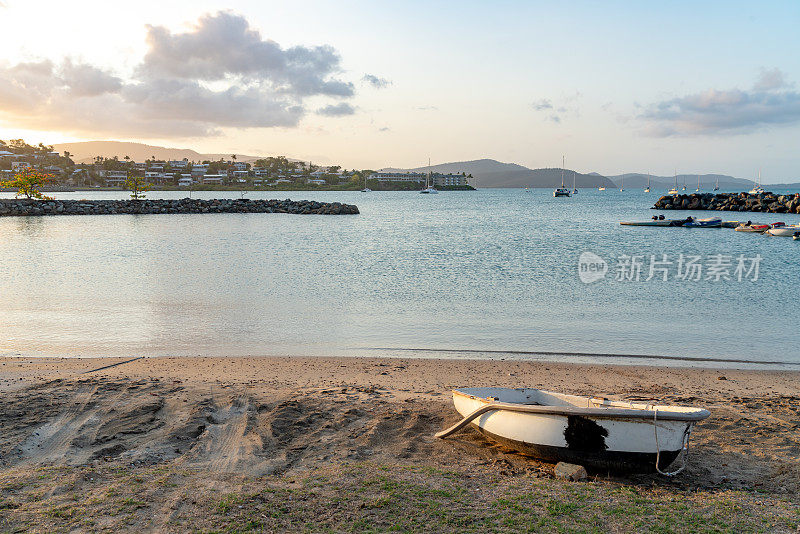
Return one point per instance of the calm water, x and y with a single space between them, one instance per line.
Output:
491 270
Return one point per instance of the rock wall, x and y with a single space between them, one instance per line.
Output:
764 202
22 207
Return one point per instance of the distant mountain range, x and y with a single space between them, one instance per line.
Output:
707 181
85 152
491 173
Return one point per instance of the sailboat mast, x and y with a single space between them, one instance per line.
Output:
428 178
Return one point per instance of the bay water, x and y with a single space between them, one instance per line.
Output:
492 273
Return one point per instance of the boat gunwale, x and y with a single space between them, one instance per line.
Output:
698 414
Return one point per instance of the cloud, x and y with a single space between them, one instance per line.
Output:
542 104
375 81
336 110
219 74
770 79
726 112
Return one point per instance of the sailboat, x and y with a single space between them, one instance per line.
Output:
574 189
647 189
561 191
684 183
757 189
674 190
716 185
429 189
366 189
698 183
622 185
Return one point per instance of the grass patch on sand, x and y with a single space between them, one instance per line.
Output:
374 498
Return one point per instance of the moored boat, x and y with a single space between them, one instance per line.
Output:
784 231
594 432
711 222
756 228
662 222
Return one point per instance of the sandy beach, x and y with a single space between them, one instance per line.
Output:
346 444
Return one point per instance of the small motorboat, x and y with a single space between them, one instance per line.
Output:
711 222
655 222
756 228
784 231
591 431
731 224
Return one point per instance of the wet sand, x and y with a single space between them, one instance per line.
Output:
231 423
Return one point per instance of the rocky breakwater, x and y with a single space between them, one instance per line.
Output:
23 207
763 202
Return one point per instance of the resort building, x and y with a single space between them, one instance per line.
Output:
398 176
444 180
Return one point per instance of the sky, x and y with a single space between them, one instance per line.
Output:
692 87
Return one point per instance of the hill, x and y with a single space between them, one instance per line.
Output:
474 167
548 178
492 173
85 152
707 181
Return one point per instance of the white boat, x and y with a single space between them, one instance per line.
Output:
561 191
366 189
674 190
784 231
698 184
757 189
647 189
601 188
622 184
591 431
716 185
574 188
429 189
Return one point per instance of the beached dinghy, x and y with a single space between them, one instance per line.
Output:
594 432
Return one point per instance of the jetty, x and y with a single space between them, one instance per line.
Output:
27 207
762 202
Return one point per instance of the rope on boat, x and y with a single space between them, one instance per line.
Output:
684 449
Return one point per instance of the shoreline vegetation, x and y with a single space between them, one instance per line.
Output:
346 444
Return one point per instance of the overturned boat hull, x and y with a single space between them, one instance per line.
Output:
594 432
